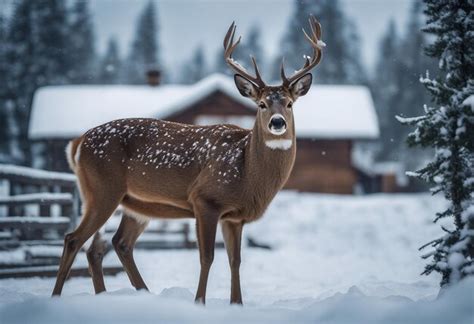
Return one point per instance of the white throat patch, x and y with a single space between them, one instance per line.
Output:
279 144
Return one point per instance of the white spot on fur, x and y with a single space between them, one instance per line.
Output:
279 144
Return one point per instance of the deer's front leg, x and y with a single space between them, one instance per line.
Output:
232 233
206 225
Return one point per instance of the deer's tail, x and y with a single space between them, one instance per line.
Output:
73 152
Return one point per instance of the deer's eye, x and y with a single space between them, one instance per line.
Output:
262 105
289 105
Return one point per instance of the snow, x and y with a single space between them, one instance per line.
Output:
335 259
35 173
336 112
469 101
37 196
329 111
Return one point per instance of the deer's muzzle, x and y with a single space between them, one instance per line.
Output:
277 125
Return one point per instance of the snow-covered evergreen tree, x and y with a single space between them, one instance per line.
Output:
111 65
447 126
81 44
144 53
195 69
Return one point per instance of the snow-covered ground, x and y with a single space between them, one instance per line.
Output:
336 259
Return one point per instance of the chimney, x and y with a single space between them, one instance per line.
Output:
153 77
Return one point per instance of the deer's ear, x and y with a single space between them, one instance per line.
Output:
301 86
246 88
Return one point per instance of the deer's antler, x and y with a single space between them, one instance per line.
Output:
229 47
311 62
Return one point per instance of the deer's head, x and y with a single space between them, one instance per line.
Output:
275 103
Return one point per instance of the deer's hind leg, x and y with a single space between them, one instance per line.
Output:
124 241
95 256
100 201
132 226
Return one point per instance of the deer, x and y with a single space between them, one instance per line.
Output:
217 174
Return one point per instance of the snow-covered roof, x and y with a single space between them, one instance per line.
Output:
67 111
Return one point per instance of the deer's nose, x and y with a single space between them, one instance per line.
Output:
277 124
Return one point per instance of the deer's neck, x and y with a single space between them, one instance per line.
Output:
269 161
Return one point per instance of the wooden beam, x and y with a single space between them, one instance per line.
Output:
34 222
42 199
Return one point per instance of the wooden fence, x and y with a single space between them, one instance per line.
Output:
37 206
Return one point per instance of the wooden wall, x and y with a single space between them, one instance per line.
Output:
323 166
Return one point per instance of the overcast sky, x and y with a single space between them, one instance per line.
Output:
187 23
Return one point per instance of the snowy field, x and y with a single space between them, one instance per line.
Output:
336 259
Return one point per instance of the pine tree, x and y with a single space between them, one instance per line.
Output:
341 62
144 52
37 55
220 64
356 73
111 66
21 60
51 38
448 128
396 88
293 44
4 77
386 88
81 44
250 46
412 95
195 69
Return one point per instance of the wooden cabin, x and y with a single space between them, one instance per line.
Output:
329 121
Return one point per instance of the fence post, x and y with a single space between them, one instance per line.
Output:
187 241
44 209
4 191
